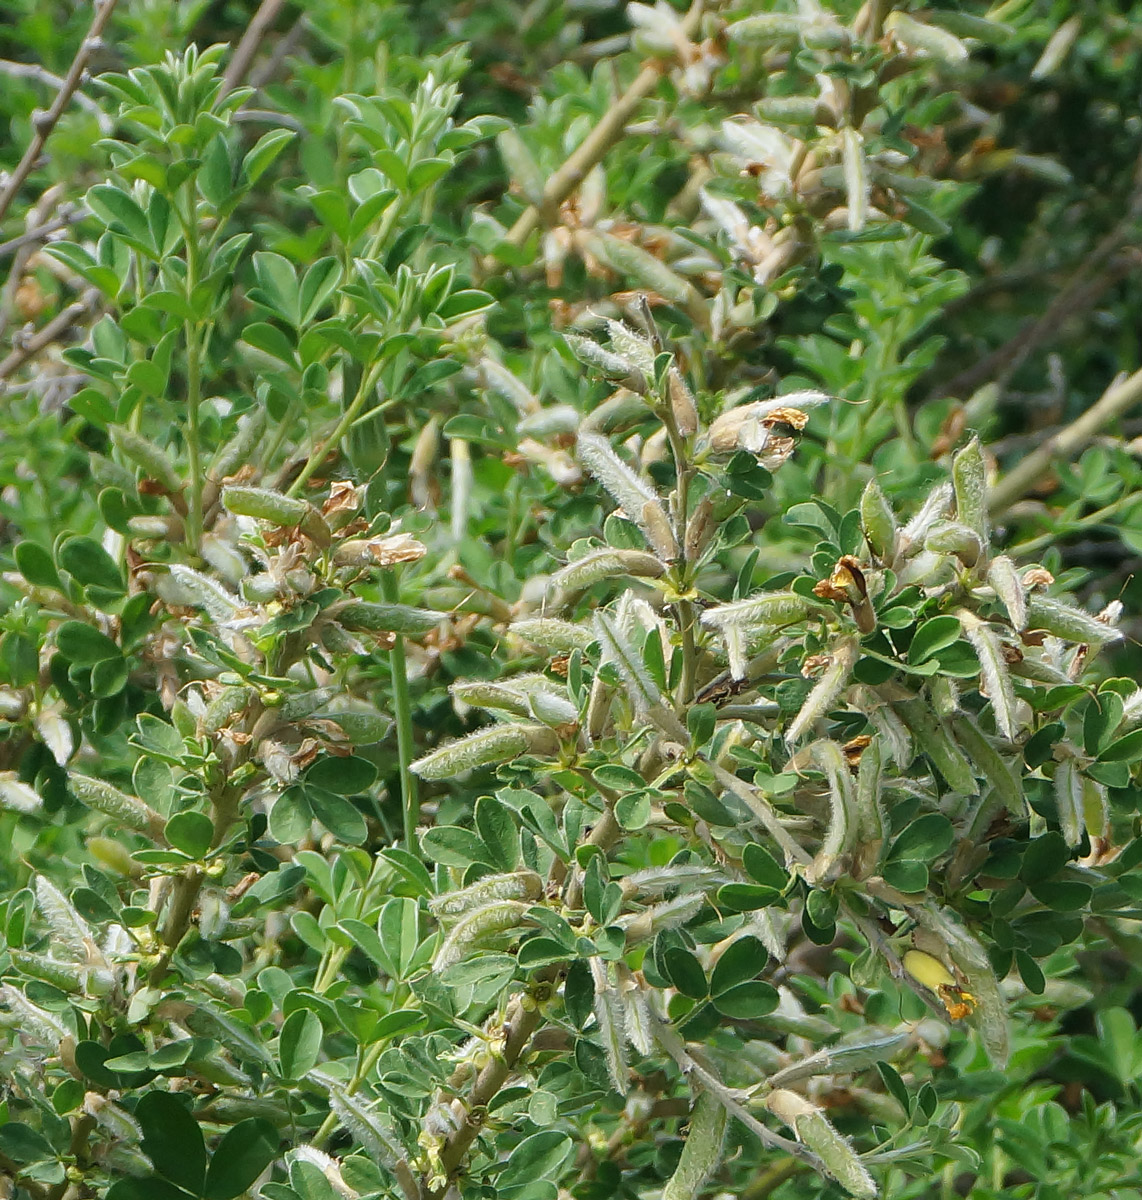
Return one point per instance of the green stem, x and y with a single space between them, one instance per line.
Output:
193 401
368 383
402 711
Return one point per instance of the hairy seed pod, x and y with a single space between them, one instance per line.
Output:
790 110
840 1161
615 367
264 504
148 457
1069 801
641 266
500 743
993 670
514 885
842 829
364 1121
16 796
844 1058
700 529
70 977
990 764
702 1150
237 451
870 817
226 705
512 695
553 633
637 498
970 959
878 522
610 1018
826 690
969 481
604 564
765 29
70 932
682 406
1067 622
33 1021
759 610
934 508
954 537
618 412
127 810
521 165
924 39
1004 578
184 586
366 617
475 927
933 739
856 178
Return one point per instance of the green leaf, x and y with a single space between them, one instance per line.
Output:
290 817
36 566
763 868
23 1144
924 840
215 176
745 897
747 1001
934 635
540 1156
85 560
270 340
633 811
701 720
463 303
398 927
742 960
263 152
1063 895
113 206
345 776
83 644
498 832
191 832
685 972
299 1043
339 815
242 1155
453 846
278 283
317 286
172 1139
1126 749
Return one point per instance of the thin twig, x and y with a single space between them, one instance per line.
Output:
40 232
518 1031
44 123
1098 271
1062 446
38 74
285 47
591 150
252 39
33 345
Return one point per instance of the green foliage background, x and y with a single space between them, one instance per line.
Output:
425 760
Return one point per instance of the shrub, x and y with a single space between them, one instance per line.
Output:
695 783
